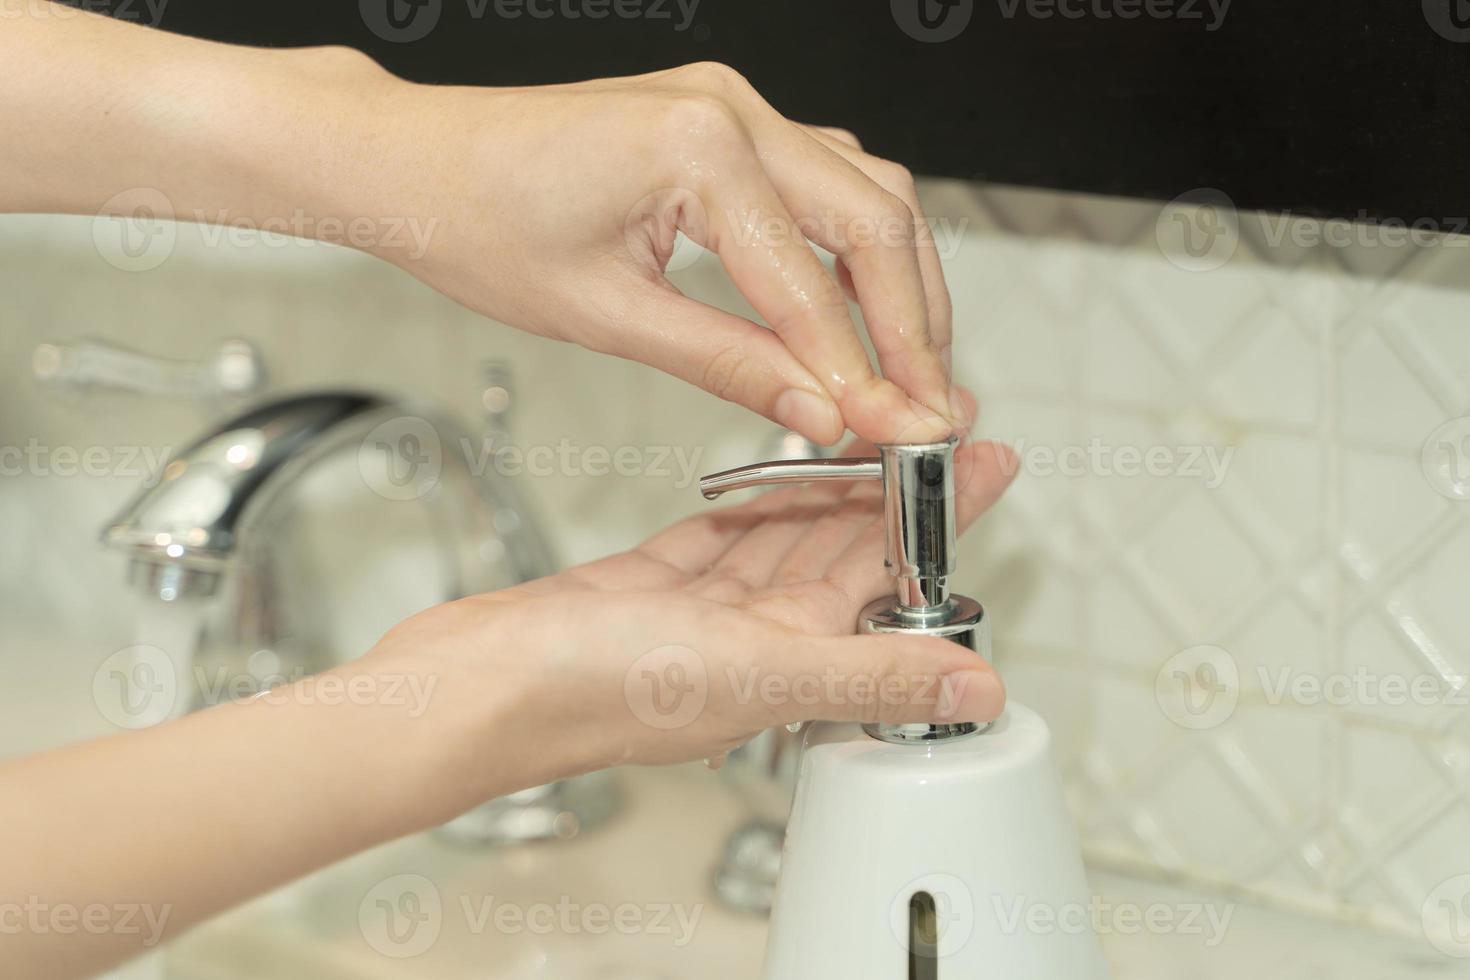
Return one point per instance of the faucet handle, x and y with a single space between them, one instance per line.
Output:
790 471
235 369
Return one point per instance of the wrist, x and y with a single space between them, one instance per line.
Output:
475 730
324 146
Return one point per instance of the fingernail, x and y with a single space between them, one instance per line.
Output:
970 695
814 416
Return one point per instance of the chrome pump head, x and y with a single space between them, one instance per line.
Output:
919 530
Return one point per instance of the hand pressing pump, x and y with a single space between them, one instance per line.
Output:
924 852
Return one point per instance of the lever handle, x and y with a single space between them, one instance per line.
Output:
235 369
790 471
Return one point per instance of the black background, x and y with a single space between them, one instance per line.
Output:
1351 108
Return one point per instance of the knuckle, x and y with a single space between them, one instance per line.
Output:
703 117
342 59
715 76
890 207
826 306
724 374
896 219
896 177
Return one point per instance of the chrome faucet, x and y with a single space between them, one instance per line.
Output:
184 532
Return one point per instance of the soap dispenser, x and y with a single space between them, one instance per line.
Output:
924 851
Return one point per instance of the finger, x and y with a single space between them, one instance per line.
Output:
695 544
754 558
874 232
844 275
728 356
790 538
849 518
767 256
890 679
896 180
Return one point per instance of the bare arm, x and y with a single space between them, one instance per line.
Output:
553 209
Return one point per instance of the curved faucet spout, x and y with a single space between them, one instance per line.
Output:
183 532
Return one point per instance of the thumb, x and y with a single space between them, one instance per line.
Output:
889 679
728 356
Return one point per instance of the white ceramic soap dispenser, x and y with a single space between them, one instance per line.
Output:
925 852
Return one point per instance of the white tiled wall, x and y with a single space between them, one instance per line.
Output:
1290 520
1333 552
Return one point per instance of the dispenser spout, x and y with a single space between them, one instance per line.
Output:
919 528
918 509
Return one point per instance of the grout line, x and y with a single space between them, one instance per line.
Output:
1334 747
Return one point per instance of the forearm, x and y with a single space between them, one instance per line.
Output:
94 108
167 826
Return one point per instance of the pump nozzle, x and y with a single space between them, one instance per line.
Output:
919 531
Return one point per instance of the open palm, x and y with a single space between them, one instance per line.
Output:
742 609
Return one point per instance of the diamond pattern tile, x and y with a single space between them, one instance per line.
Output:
1327 565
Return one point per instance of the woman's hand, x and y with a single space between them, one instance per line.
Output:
555 209
684 648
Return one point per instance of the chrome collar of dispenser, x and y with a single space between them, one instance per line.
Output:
919 530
